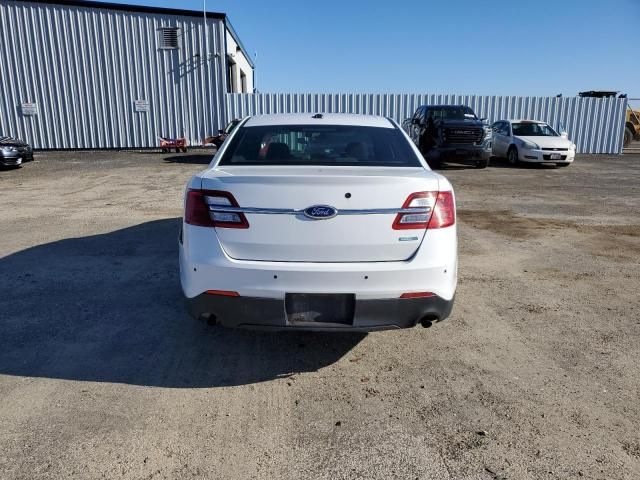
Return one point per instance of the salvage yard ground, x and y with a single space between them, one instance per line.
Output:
103 375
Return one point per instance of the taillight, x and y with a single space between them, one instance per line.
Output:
432 210
201 210
422 202
196 211
444 213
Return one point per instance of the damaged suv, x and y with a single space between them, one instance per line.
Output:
450 132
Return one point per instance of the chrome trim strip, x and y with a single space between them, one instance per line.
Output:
384 211
270 211
289 211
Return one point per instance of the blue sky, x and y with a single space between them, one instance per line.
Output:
437 46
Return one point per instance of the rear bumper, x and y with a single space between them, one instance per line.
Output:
269 313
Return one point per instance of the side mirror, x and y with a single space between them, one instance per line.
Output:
564 135
220 131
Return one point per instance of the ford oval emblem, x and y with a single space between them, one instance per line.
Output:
320 212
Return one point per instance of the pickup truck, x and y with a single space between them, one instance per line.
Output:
450 132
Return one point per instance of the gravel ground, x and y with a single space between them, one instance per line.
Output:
103 375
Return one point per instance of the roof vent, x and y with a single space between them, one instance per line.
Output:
318 116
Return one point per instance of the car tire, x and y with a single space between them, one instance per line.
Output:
512 156
628 136
482 163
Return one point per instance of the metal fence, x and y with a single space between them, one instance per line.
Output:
595 125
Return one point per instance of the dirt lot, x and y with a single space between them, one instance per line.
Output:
103 375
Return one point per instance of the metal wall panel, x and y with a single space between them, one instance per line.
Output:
85 67
595 125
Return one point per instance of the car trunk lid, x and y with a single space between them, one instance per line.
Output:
365 200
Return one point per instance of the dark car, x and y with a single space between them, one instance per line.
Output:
450 132
13 151
219 139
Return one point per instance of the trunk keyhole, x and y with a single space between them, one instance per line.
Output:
347 195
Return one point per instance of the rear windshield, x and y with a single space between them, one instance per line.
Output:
320 145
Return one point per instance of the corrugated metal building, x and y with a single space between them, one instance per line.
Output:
596 125
82 74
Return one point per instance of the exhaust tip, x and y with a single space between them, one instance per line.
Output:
428 320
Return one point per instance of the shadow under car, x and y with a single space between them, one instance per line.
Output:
108 308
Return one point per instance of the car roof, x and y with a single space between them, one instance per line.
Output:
319 119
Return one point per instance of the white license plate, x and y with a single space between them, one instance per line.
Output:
556 156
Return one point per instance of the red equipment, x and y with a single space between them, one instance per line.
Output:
166 144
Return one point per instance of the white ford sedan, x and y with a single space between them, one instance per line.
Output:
319 222
531 141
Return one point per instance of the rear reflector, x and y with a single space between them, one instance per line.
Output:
223 293
200 210
417 295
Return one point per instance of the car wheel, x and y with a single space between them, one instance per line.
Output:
512 156
482 163
628 136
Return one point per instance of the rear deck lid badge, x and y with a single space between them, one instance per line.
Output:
320 212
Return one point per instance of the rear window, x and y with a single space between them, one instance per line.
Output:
320 145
